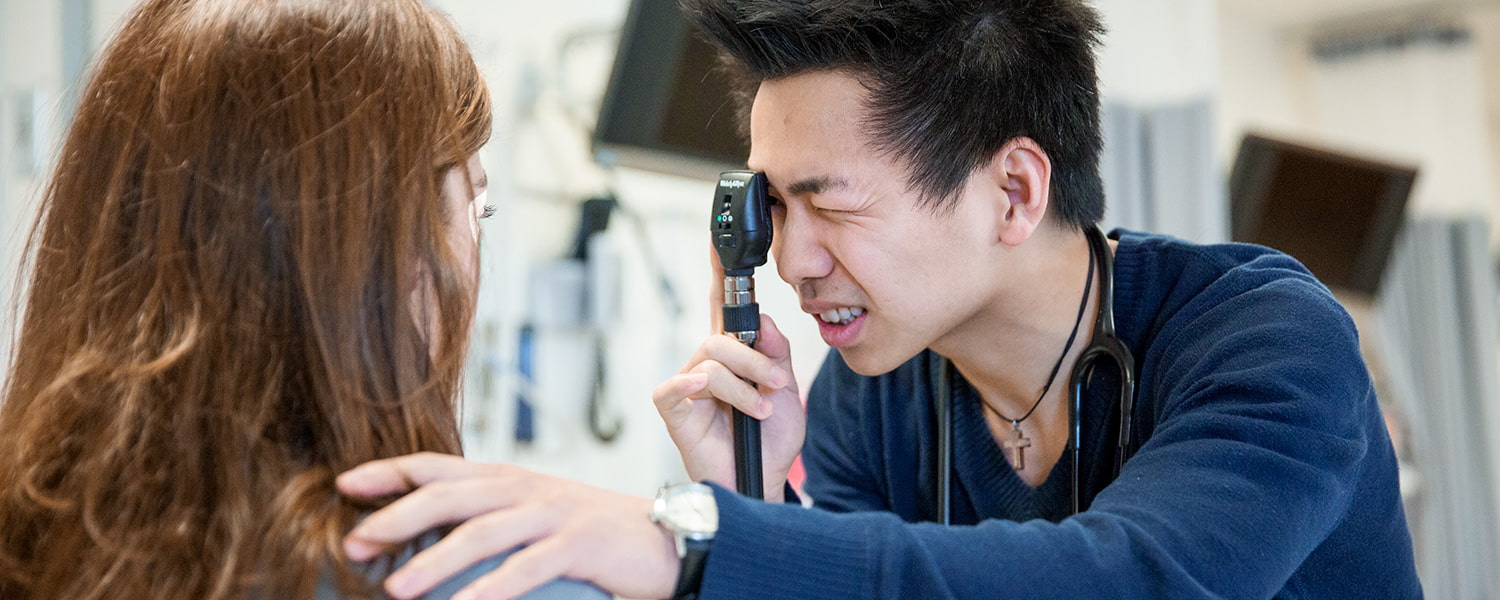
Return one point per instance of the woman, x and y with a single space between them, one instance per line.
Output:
254 268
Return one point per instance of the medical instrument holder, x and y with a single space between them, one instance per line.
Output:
741 231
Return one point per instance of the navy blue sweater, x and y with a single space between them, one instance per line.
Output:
1263 468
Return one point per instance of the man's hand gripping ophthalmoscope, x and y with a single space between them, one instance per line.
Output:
741 232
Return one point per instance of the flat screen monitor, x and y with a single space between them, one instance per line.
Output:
1336 213
667 107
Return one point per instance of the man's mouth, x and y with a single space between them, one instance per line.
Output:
841 316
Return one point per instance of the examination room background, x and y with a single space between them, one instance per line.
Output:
566 351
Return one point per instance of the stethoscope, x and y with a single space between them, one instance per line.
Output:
1103 345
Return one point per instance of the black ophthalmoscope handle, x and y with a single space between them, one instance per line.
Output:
740 227
743 322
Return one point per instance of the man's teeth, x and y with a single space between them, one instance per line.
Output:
841 316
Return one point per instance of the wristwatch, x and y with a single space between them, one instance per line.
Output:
690 513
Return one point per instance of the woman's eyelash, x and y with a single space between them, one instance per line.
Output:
489 211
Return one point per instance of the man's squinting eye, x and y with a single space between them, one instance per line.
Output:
489 211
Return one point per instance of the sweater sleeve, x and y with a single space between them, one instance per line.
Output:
1258 445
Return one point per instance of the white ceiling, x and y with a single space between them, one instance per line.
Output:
1309 12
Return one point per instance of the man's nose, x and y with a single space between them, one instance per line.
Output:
801 254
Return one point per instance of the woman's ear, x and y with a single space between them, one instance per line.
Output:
1022 173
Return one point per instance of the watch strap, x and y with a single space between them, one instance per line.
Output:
690 578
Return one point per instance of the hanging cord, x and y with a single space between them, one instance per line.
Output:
1088 286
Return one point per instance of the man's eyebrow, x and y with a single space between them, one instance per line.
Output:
816 185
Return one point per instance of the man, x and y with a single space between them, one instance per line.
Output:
935 170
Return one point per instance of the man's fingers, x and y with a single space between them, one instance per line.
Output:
715 291
726 386
773 343
404 473
434 504
474 541
746 362
669 395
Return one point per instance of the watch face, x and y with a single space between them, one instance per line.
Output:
691 510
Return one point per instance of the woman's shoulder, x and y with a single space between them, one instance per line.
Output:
561 589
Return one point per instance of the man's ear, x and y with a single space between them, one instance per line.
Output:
1022 173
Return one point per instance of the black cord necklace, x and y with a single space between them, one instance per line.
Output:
1018 443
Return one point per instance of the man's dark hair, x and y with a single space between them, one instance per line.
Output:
951 81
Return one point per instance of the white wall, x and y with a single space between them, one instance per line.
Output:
540 171
1485 23
33 84
1259 86
1159 51
7 218
30 35
7 143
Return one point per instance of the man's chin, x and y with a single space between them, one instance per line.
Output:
871 364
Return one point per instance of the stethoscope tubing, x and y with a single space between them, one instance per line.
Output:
1103 345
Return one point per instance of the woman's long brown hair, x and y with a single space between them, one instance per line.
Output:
228 284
